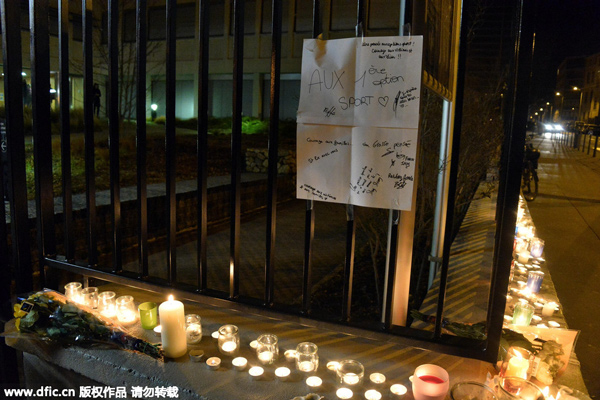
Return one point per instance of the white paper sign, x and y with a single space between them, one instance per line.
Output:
357 121
361 82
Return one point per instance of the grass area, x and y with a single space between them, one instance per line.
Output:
255 134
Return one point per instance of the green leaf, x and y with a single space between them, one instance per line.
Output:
30 319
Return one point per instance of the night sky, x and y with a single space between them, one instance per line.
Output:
564 28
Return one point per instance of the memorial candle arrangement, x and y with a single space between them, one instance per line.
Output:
172 322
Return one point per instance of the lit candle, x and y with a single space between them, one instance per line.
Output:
398 389
290 355
344 393
213 363
265 357
254 344
372 394
282 373
172 321
333 365
215 335
517 366
554 324
239 363
306 366
377 378
314 381
256 372
548 309
351 378
229 347
158 329
193 333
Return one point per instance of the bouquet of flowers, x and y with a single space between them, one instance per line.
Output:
49 316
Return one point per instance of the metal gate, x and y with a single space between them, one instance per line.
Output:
18 275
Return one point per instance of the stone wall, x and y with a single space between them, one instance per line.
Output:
257 160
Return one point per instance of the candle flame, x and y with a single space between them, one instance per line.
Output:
171 298
518 354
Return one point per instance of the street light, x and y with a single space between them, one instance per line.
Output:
153 107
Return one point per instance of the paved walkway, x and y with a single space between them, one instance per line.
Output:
567 216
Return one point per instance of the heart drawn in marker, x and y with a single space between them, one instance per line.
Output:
383 100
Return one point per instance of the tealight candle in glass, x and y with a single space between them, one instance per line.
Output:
126 311
534 281
350 372
307 359
523 314
106 304
229 340
536 247
267 349
549 308
73 291
89 297
193 328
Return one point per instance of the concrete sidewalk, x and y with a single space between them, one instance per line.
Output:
567 216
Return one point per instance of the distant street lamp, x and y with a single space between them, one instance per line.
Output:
153 113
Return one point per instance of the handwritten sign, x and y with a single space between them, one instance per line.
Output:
361 82
357 121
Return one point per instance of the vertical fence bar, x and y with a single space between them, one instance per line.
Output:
236 146
170 142
88 131
595 145
273 151
64 96
141 37
309 218
510 172
17 193
203 54
391 269
42 139
350 224
453 173
113 132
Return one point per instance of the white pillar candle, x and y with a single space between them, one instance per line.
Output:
172 322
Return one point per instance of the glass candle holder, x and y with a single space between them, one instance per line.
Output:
148 314
513 388
89 297
126 312
267 349
106 304
516 363
350 372
469 390
430 382
307 359
522 314
193 328
229 340
73 291
534 281
536 247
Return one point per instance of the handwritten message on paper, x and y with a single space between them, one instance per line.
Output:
361 82
357 121
370 167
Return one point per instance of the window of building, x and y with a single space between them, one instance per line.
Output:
267 16
53 21
128 24
249 17
384 14
185 24
343 15
217 18
303 17
77 24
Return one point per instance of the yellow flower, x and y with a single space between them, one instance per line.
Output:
17 312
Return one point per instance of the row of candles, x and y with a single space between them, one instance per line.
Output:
528 252
178 330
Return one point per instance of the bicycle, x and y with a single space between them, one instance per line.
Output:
530 178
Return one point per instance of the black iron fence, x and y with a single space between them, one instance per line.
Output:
16 265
